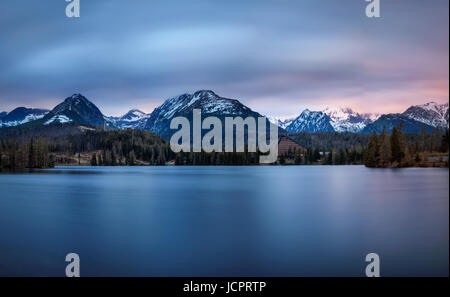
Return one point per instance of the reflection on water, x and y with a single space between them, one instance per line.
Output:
224 221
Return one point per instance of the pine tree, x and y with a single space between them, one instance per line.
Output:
330 158
385 148
298 158
104 159
132 158
31 157
316 154
12 154
113 158
373 151
397 152
94 160
423 135
445 141
341 160
436 139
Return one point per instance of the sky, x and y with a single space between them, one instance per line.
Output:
278 57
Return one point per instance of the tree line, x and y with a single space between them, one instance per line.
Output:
67 145
22 148
115 148
399 150
317 156
17 154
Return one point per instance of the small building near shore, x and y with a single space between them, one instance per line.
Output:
288 145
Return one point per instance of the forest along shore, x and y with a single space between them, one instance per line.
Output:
76 145
393 151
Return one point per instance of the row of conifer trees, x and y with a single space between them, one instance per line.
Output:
112 148
393 150
33 153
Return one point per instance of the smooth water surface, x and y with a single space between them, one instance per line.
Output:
225 221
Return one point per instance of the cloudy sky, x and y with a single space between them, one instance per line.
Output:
278 56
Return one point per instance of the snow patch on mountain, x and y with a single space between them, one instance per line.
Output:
207 101
21 115
28 118
347 120
62 119
172 105
78 109
134 119
311 121
134 115
281 122
331 119
431 113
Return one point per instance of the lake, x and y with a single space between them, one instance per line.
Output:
225 221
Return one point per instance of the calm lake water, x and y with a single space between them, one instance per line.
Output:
225 221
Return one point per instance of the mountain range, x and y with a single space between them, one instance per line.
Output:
77 109
134 119
209 102
311 121
21 115
429 116
282 123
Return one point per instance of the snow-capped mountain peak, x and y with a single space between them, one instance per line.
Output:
436 107
172 105
21 115
73 103
134 115
311 121
280 122
347 120
75 108
431 113
331 119
207 101
134 119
